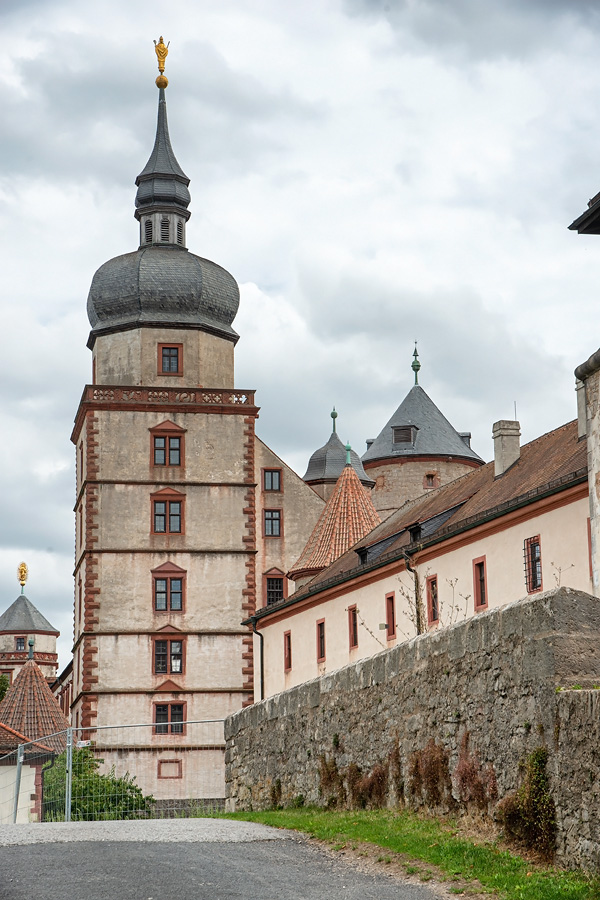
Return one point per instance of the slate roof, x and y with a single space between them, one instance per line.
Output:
30 708
23 616
435 436
347 516
550 464
589 220
327 463
162 181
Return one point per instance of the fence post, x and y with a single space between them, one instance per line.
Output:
69 775
20 755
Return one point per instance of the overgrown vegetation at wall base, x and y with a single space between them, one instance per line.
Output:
504 874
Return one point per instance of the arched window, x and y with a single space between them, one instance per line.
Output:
180 232
148 231
164 230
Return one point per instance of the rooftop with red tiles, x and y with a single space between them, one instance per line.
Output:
30 708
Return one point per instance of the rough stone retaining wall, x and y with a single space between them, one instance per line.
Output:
496 676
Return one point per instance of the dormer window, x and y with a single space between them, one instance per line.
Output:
404 434
164 230
180 233
148 231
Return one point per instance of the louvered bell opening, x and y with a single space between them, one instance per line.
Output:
164 230
148 231
180 233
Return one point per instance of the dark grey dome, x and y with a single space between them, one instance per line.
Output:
326 463
162 286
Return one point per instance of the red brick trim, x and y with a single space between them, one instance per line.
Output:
477 604
159 368
91 590
249 539
170 762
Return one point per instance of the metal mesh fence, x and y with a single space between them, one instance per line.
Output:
115 772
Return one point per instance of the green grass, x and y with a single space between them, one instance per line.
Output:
503 874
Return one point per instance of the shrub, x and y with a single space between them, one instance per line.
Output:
529 814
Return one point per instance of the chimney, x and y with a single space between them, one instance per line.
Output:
581 409
465 436
507 448
369 442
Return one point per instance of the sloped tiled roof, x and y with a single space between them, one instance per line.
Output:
327 463
347 516
30 708
22 615
435 436
10 740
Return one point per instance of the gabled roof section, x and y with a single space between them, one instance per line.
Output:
589 220
347 517
23 616
552 463
30 708
432 433
327 463
11 739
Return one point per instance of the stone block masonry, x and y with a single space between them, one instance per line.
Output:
487 691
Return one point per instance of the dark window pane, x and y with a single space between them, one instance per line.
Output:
159 451
160 657
21 643
274 590
161 718
175 516
435 607
272 522
176 593
272 480
176 718
160 516
174 451
160 593
170 359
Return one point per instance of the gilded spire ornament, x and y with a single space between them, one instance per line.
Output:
22 573
161 49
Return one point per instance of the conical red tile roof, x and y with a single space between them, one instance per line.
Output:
30 708
347 517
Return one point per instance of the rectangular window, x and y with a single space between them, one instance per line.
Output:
167 450
480 584
287 651
273 522
168 594
352 627
168 657
274 590
169 718
321 640
272 479
433 603
532 553
167 517
170 359
390 615
19 644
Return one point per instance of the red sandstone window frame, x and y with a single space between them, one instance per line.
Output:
167 496
169 638
167 431
267 532
287 651
352 627
480 601
434 483
169 723
161 762
168 571
23 648
159 362
321 645
533 564
390 615
433 600
270 471
273 573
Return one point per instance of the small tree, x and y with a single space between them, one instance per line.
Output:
93 796
4 686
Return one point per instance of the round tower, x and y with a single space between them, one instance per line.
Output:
327 463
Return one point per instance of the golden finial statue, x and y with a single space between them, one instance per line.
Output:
161 49
22 572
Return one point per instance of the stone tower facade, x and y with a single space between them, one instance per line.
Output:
180 509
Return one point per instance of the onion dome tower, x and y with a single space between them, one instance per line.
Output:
417 450
347 517
327 463
21 624
161 283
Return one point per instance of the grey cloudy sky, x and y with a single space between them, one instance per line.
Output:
371 172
